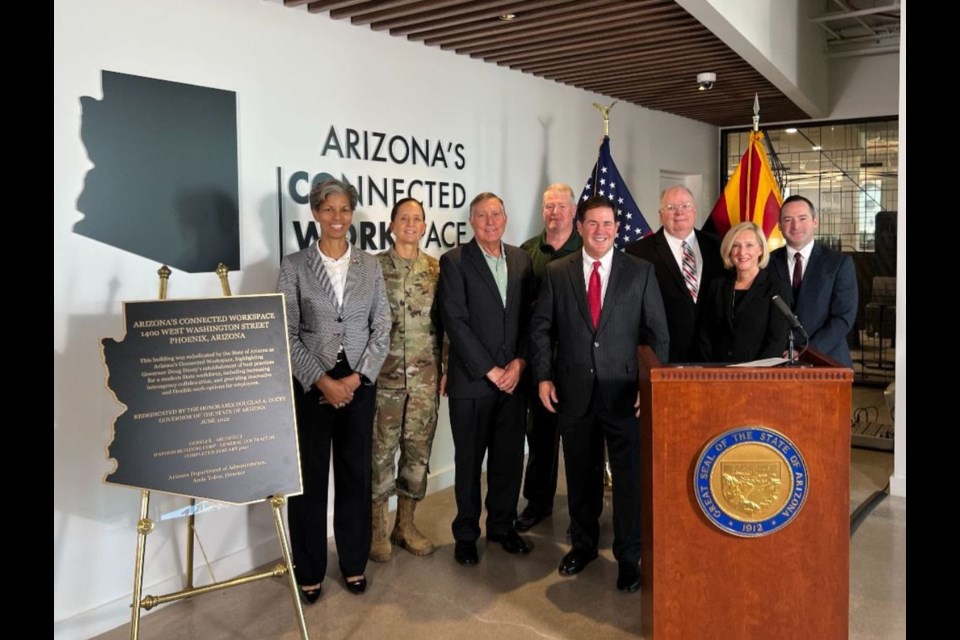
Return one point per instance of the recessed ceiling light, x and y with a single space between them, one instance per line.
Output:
791 130
507 17
817 148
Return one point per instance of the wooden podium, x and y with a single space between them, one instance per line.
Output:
700 581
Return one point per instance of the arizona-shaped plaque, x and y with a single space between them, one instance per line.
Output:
208 396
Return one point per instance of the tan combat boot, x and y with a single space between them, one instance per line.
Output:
405 533
380 549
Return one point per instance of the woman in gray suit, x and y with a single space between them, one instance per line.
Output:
338 323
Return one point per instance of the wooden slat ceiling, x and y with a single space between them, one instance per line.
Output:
647 52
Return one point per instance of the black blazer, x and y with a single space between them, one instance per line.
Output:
827 302
483 333
632 315
752 330
682 313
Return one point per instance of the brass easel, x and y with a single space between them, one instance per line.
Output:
145 525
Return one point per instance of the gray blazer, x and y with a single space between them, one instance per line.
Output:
317 326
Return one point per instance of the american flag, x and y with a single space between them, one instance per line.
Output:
605 180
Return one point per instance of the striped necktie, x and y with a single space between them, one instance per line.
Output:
689 269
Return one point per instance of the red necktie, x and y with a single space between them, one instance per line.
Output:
797 273
593 294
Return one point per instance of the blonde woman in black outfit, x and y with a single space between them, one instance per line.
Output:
739 323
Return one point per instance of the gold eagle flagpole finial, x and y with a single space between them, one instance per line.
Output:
605 111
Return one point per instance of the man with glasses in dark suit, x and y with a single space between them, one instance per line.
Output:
686 261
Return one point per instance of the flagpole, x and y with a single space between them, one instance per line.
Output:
756 129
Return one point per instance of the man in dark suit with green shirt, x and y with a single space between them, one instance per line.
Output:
485 291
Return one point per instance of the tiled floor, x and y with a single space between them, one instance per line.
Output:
507 597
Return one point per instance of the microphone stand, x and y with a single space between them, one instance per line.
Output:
794 322
792 356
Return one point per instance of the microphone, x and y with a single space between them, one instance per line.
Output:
785 310
795 325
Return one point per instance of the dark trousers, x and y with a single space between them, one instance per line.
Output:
583 440
349 433
492 424
543 454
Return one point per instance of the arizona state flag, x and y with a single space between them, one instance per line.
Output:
751 194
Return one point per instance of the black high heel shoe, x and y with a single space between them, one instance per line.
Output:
356 587
309 596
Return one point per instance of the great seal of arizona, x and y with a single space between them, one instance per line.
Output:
751 481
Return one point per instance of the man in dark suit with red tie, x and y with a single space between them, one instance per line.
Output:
686 260
824 281
594 308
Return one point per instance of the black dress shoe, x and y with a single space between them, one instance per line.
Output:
357 586
574 562
309 596
529 519
511 542
465 553
628 578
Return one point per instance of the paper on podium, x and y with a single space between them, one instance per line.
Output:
766 362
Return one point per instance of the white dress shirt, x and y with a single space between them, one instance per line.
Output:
336 269
805 260
677 251
605 261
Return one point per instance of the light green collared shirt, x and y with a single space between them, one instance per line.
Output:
498 267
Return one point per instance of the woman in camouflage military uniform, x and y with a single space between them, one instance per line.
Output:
408 386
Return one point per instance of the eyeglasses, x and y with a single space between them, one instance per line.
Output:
673 208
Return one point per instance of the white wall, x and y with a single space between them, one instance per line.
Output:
898 482
294 74
777 39
866 86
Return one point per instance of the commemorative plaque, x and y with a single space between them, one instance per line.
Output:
207 393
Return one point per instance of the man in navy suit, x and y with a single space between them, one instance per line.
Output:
824 281
486 290
594 308
686 260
